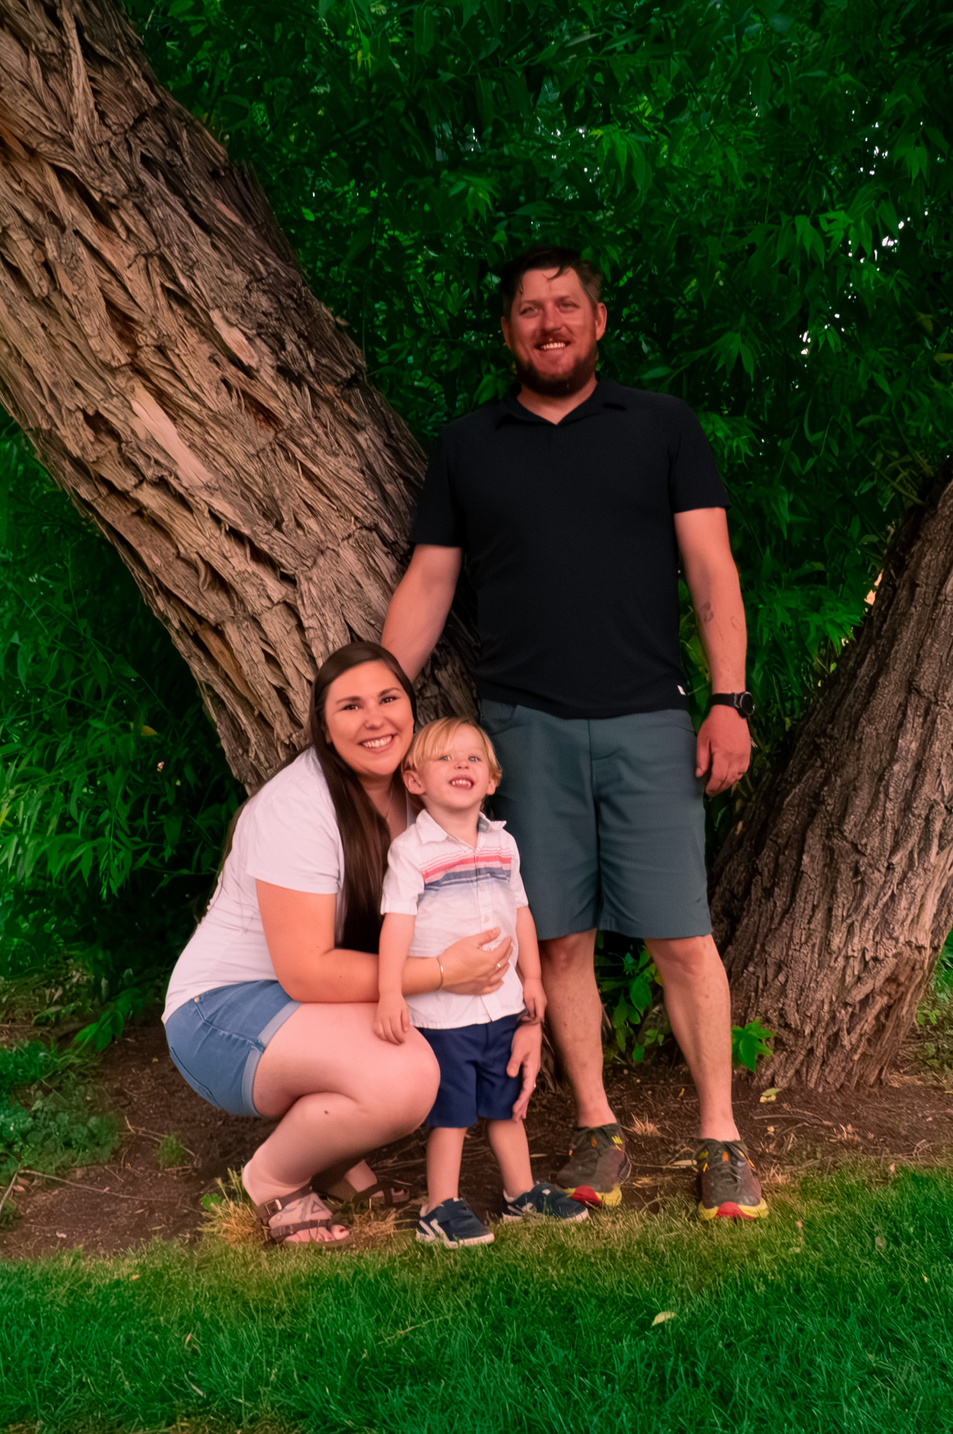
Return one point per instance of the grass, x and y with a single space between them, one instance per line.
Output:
831 1316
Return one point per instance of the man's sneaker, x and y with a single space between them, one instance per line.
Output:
597 1165
727 1183
544 1200
453 1223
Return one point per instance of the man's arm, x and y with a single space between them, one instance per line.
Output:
419 607
724 744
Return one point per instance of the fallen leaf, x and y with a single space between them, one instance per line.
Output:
769 1095
663 1315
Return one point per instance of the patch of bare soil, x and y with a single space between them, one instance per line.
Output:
108 1209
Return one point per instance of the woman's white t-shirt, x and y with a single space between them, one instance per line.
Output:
287 834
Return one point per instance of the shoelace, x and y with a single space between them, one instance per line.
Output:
737 1164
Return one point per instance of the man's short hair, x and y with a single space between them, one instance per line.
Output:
548 256
434 740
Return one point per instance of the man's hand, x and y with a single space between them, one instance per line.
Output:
392 1022
723 749
524 1056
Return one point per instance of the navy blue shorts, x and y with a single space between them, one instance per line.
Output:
473 1079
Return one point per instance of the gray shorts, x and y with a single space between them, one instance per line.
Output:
609 819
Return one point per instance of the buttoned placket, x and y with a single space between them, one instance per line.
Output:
484 887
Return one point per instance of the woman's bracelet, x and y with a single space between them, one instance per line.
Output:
440 964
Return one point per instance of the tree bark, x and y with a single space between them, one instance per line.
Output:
834 893
161 349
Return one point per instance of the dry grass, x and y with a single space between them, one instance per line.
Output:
231 1219
642 1127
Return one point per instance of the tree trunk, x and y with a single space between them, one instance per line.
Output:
162 350
833 894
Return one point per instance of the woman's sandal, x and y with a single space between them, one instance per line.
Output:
384 1194
316 1215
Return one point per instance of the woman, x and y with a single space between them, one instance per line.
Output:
270 1006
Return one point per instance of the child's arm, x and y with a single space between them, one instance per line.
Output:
527 965
392 1022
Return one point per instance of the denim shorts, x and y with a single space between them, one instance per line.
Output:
609 818
216 1040
473 1079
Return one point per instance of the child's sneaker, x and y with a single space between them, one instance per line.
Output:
544 1200
453 1222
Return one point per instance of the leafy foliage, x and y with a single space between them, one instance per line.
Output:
631 990
113 793
45 1121
749 1043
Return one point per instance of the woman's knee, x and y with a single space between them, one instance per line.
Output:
413 1087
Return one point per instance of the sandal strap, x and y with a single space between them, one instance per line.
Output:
385 1189
267 1208
283 1231
316 1214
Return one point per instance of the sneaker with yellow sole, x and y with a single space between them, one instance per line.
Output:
728 1187
597 1165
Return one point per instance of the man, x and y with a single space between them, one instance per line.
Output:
572 500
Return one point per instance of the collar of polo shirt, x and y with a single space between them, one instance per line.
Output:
430 830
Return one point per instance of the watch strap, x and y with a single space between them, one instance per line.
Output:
742 702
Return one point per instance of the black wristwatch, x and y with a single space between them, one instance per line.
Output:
742 702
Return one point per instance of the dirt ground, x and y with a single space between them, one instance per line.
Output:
111 1208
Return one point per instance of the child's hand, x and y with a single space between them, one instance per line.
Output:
392 1021
534 999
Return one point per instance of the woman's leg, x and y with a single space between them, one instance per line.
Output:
339 1090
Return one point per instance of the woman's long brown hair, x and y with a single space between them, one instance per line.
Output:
364 833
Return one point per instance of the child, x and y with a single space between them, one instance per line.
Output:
449 875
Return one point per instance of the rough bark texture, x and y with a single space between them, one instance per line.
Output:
161 349
834 893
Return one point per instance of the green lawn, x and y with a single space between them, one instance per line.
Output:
834 1314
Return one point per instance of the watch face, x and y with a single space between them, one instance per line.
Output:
745 704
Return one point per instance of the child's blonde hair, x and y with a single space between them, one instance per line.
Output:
434 739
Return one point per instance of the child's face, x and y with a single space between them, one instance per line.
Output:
458 778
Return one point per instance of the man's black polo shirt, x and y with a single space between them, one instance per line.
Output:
568 533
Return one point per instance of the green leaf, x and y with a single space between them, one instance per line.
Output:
425 28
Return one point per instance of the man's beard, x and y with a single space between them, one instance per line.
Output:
561 385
